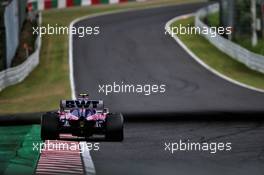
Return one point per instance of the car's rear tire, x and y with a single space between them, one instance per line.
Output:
114 127
49 126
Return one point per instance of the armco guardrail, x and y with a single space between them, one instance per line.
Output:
17 74
250 59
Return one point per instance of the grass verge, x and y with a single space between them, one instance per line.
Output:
49 82
217 59
16 149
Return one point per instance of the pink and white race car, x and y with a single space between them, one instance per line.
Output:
82 118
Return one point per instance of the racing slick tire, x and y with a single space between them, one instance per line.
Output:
49 127
114 127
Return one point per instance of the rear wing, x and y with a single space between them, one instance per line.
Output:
88 104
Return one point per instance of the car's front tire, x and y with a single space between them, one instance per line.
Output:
114 127
49 126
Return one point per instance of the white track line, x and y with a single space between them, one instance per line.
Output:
73 92
73 95
87 160
196 58
71 75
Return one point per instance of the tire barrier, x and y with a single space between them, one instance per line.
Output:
20 119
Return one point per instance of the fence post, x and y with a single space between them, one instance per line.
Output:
254 22
262 17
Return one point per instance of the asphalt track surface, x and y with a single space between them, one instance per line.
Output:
132 48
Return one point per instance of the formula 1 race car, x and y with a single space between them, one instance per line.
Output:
82 118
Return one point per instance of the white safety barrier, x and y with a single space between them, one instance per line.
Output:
17 74
252 60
